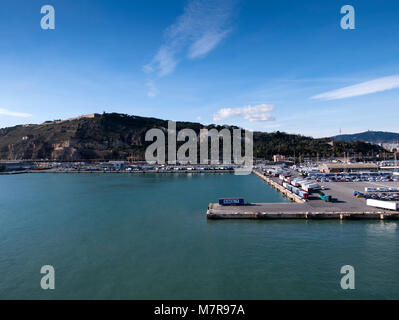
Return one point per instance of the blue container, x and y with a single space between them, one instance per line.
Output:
231 201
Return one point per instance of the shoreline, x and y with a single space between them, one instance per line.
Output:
114 172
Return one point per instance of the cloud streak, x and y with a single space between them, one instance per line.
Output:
6 112
257 113
198 31
361 89
152 89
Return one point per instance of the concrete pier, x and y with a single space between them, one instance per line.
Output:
276 211
343 207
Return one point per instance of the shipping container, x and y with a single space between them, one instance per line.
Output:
231 201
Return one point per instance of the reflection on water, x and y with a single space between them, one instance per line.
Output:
382 227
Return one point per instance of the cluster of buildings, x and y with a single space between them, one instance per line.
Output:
130 166
106 166
348 167
336 166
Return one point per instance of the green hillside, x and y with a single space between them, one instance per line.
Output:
118 136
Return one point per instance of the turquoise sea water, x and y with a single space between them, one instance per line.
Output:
145 236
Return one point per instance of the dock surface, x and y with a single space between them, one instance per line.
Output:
343 206
293 211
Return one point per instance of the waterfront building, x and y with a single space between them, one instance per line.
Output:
348 167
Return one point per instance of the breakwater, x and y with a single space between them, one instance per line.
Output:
116 171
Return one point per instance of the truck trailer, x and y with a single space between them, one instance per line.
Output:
383 204
231 201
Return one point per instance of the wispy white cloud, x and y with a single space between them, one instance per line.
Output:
152 89
206 44
361 89
255 113
6 112
201 27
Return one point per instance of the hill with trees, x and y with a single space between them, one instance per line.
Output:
114 136
370 136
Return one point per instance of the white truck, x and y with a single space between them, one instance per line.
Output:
383 204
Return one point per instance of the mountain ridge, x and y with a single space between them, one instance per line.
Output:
375 137
115 136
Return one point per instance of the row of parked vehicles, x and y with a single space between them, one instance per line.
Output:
384 196
297 191
381 189
299 186
353 177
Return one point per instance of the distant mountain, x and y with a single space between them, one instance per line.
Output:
114 136
369 136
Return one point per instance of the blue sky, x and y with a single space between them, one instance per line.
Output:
264 65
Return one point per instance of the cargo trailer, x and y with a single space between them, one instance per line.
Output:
383 204
303 194
231 201
307 188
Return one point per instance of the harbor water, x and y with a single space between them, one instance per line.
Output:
146 236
